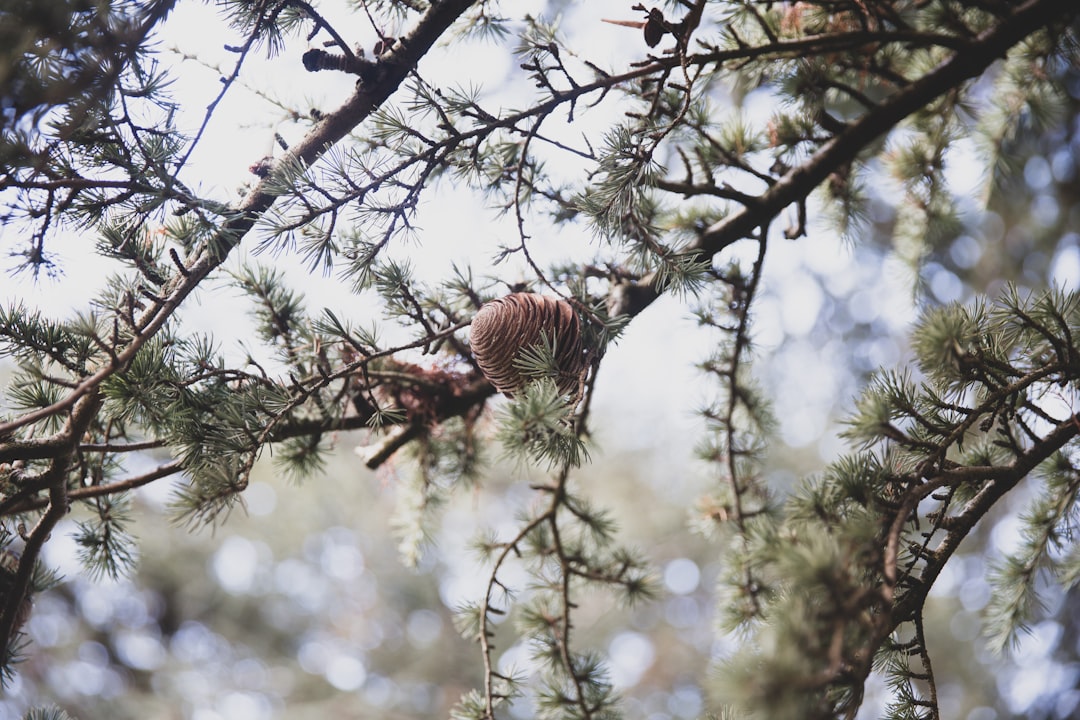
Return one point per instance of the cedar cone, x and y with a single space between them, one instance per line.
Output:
503 328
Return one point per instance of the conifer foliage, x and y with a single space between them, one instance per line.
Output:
824 583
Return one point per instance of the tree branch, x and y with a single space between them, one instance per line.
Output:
998 481
327 132
797 184
92 491
56 475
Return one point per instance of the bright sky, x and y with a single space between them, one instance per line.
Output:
660 344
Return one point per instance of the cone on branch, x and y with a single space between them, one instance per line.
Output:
518 323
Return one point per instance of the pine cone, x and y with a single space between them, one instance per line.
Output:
505 327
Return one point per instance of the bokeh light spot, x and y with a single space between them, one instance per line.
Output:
234 565
423 628
681 576
345 672
631 654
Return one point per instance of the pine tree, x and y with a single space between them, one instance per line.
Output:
825 583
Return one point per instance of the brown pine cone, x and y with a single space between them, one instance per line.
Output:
503 328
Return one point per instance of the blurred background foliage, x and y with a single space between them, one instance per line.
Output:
301 607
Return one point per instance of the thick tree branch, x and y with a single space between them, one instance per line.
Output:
797 184
334 126
32 449
56 476
997 482
92 491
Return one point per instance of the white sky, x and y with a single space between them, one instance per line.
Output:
658 351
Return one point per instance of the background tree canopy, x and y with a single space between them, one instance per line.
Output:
870 209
